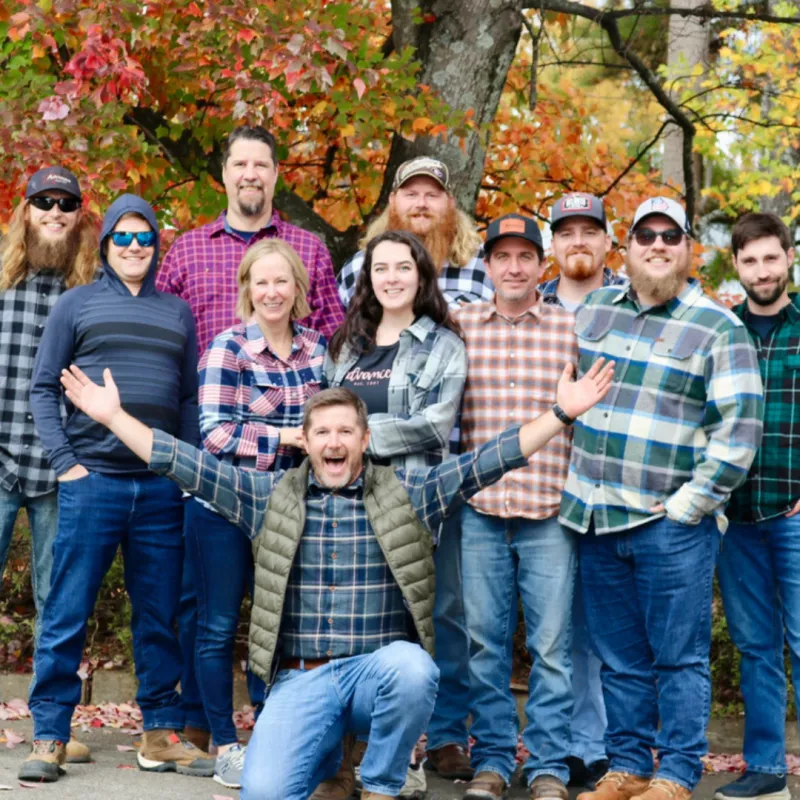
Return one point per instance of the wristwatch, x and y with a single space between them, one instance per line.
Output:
562 415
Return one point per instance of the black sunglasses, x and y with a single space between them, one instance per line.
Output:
647 236
67 205
124 238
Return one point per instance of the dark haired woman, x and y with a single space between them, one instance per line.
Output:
400 351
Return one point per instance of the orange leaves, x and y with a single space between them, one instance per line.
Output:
421 124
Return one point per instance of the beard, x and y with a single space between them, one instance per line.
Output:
254 207
59 254
661 289
439 237
762 299
578 266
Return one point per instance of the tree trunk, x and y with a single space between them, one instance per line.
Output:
687 47
466 48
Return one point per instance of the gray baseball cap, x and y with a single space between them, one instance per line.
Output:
665 207
422 165
53 178
577 204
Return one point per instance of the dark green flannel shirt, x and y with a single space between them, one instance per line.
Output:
773 482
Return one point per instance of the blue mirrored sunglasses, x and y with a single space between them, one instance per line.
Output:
124 238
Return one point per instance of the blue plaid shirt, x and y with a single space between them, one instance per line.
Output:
367 611
549 289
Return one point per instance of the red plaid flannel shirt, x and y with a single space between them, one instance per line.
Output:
514 367
201 268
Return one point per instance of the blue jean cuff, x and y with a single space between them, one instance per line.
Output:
199 724
439 745
616 766
382 788
767 770
161 721
687 784
561 775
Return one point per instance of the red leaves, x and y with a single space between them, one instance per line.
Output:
53 108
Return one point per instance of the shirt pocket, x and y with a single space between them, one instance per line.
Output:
591 326
265 397
670 368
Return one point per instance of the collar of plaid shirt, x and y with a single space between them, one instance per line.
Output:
257 343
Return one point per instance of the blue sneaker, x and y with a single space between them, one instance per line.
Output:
755 786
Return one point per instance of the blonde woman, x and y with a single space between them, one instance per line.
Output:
254 381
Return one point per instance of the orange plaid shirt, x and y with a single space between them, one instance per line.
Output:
514 367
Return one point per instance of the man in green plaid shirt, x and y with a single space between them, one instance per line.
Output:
652 466
760 562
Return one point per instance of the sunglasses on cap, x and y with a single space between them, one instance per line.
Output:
124 238
647 236
67 205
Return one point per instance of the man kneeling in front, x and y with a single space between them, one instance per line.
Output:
341 626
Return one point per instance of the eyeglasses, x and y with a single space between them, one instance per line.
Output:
671 237
67 205
124 238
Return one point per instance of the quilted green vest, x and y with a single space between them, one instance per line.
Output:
406 543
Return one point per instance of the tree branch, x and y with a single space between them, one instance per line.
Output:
607 20
639 156
708 13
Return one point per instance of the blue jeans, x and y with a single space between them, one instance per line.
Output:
448 724
759 575
43 519
297 741
535 560
589 711
222 562
187 635
98 514
647 597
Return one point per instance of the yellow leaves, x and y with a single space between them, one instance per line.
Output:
319 109
389 109
134 175
421 124
347 130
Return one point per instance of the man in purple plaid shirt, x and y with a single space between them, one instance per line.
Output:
201 265
201 268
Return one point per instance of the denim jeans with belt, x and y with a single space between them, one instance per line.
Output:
222 567
297 741
759 575
97 514
647 596
535 561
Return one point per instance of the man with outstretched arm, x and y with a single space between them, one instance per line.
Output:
344 583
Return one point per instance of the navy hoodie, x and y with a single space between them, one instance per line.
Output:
147 341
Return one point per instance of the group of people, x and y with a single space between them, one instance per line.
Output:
405 454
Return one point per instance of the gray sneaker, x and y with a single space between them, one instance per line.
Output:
228 770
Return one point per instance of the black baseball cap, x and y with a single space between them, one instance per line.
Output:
53 178
578 204
513 225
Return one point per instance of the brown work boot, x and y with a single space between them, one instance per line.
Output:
450 761
548 787
485 786
77 752
617 786
343 783
44 763
662 789
166 751
198 737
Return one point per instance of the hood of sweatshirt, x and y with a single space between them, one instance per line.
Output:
129 204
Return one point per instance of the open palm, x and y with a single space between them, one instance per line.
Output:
98 402
575 397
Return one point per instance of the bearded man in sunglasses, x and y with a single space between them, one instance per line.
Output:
106 497
51 246
652 467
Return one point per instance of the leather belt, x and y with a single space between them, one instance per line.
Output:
304 663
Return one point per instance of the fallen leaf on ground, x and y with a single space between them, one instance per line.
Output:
221 797
125 748
30 785
125 766
11 739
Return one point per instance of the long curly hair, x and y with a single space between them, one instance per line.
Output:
364 313
464 248
13 251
